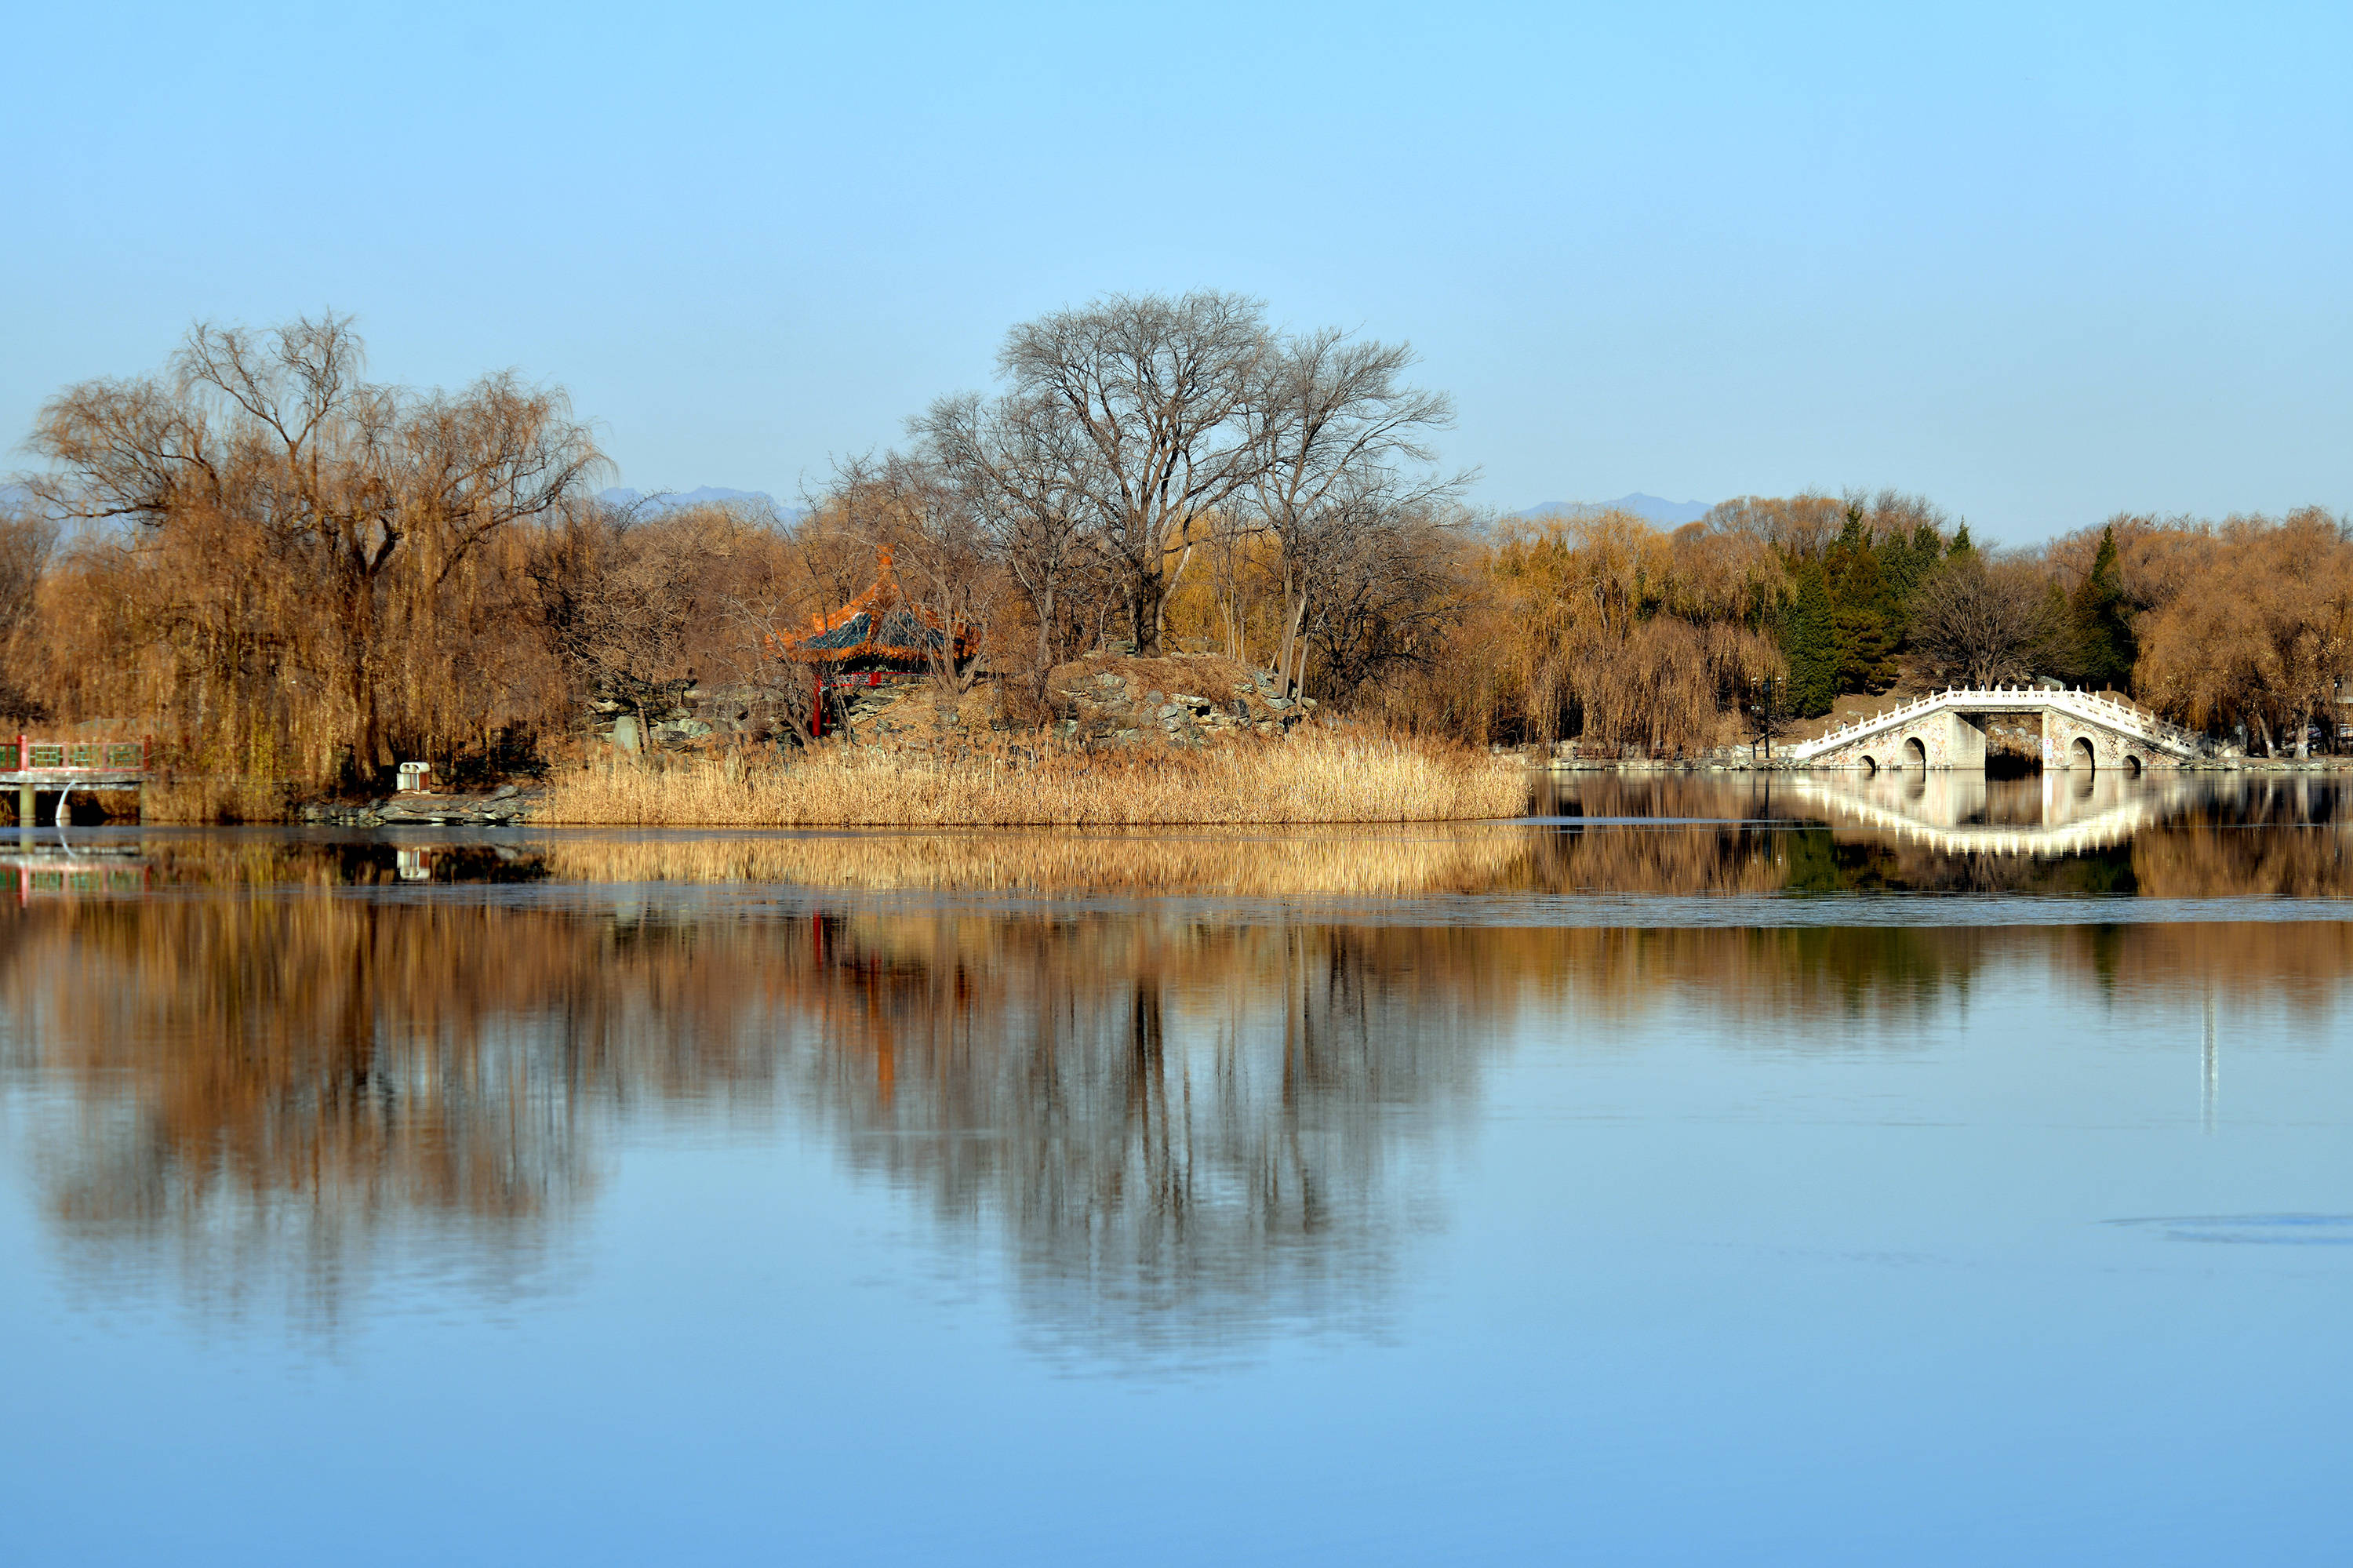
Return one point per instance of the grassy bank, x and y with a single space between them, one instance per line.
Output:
1318 777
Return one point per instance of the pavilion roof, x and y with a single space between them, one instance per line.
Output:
882 624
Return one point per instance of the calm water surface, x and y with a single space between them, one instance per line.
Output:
1920 1170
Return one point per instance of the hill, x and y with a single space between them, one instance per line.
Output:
1666 513
703 496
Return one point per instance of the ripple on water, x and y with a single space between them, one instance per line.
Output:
2251 1230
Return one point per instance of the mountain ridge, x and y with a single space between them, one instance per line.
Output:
1654 508
672 499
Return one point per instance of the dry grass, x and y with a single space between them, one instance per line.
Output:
211 800
1315 776
1203 675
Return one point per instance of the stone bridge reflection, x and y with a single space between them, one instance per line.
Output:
1963 813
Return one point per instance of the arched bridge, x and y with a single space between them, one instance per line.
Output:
1946 729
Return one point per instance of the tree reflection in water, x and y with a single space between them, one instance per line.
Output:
1185 1126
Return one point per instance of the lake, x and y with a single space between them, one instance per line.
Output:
1708 1168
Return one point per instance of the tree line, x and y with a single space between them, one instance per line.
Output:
285 570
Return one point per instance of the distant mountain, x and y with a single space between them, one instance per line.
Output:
1670 513
672 499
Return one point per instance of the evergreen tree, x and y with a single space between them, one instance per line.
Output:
2105 649
1863 613
1905 561
1960 545
1809 641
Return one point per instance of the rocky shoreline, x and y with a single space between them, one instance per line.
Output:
506 804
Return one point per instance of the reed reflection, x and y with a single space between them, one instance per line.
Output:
2178 836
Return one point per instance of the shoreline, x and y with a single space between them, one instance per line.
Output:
529 806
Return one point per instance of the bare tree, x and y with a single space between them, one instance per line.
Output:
614 599
1987 621
1157 390
1332 428
1024 475
1391 599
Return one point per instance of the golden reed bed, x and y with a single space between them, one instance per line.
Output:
1318 777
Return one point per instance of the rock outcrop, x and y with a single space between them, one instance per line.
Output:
1189 700
508 803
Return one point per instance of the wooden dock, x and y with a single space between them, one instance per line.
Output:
35 767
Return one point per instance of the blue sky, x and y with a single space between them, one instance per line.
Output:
2040 266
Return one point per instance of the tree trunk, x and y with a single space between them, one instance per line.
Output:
1144 603
1290 638
1044 605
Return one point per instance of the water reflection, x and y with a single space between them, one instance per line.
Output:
2162 836
305 1063
2169 836
1181 1128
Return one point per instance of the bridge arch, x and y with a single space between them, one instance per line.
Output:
2132 766
1916 754
2080 753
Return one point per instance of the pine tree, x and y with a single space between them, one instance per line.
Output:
1960 545
2105 649
1809 641
1863 613
1905 561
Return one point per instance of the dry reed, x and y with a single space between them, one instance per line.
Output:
210 800
1316 776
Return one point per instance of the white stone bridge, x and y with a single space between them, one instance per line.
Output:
1946 729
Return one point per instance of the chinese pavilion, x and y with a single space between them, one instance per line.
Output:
879 638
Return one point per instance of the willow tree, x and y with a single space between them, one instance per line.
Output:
1627 636
2262 633
287 524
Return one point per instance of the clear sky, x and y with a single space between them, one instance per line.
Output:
2040 263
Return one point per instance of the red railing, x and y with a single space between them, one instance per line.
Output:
63 758
78 880
821 685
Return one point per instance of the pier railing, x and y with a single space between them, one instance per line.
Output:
64 758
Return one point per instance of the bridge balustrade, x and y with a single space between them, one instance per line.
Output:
2126 717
